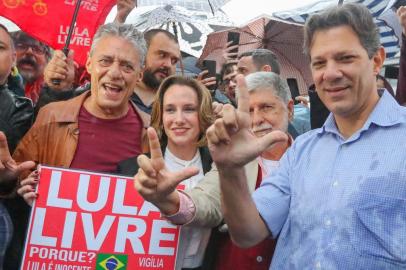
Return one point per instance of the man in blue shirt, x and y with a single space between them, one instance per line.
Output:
338 199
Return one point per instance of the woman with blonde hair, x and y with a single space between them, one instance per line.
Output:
181 113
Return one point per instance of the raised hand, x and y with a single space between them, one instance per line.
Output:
228 56
231 142
154 182
210 81
401 12
9 169
124 8
61 68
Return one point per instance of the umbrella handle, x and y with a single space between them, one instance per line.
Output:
67 42
58 81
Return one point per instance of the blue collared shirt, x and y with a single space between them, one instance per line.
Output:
340 203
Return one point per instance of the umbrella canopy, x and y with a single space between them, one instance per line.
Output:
192 27
209 6
48 21
285 39
384 17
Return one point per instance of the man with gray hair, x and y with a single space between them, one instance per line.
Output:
94 130
270 108
326 212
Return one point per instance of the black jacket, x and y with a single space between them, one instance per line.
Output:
16 114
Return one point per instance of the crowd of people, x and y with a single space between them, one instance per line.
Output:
262 190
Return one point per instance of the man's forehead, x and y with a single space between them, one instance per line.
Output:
245 60
345 32
161 39
4 37
265 92
27 40
116 47
231 74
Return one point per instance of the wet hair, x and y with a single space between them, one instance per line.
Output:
149 34
204 102
262 57
271 81
125 31
354 15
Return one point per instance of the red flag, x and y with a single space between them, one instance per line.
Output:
49 20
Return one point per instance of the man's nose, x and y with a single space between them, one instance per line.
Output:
332 71
115 70
167 62
29 50
256 118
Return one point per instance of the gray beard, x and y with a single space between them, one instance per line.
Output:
28 77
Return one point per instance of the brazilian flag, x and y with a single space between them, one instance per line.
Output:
111 262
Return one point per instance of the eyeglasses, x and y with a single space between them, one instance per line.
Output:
37 49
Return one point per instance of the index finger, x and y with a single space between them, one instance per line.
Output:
201 75
243 97
230 48
4 152
154 145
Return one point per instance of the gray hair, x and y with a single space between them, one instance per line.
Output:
262 57
354 15
125 31
271 81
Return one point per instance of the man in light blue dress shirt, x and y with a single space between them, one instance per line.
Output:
338 200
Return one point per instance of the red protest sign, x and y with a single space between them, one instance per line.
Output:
83 220
49 21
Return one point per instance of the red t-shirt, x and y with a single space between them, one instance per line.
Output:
104 142
230 256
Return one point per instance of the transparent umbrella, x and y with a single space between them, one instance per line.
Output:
190 27
209 6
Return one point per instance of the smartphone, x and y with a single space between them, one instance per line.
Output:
294 88
235 38
210 66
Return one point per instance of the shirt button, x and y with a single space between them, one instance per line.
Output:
335 183
328 222
318 265
259 259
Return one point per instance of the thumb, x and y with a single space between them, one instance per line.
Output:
70 57
4 152
271 138
184 174
26 165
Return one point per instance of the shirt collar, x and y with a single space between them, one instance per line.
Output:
184 163
137 100
386 113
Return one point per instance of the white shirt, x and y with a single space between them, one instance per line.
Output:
192 240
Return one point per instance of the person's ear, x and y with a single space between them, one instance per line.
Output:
89 65
290 110
378 60
266 68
